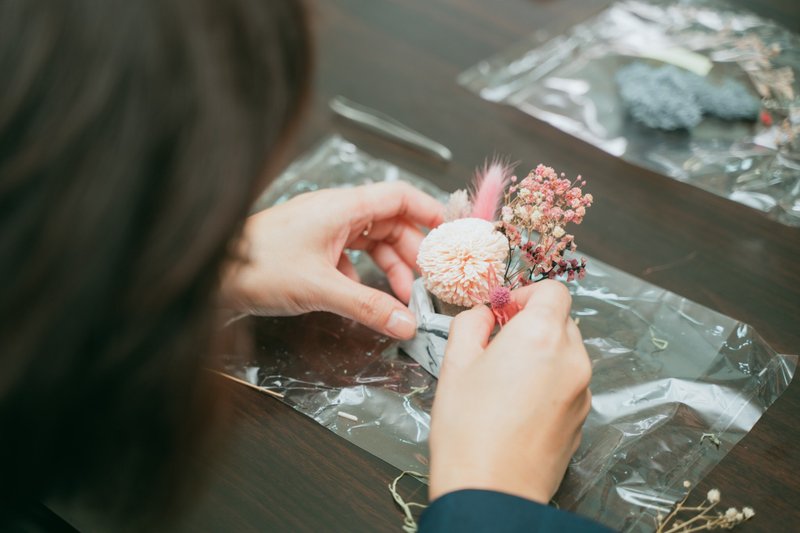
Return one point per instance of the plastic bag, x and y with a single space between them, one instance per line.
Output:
569 82
666 371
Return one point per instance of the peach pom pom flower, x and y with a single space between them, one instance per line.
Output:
458 260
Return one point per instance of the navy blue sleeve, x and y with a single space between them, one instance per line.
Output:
479 511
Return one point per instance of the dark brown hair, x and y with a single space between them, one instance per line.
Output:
134 136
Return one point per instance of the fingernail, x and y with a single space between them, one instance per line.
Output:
401 324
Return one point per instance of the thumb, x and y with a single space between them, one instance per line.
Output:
371 307
469 335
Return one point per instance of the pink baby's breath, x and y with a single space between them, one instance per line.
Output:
540 207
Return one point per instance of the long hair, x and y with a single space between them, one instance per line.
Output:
134 136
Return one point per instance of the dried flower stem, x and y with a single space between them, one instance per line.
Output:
682 525
248 384
409 523
703 520
711 437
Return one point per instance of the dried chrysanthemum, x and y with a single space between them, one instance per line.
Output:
461 260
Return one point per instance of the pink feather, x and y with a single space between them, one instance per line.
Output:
490 185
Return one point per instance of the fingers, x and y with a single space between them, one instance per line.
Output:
399 274
468 338
587 404
544 312
371 307
584 406
393 245
580 362
405 238
545 298
346 267
576 441
398 199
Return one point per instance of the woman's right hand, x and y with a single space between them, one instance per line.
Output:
508 414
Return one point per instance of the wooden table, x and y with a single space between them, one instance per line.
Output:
283 472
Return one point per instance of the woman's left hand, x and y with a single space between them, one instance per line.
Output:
294 260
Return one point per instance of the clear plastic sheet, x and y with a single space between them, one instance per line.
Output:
666 371
569 82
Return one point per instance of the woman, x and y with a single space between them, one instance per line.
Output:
134 136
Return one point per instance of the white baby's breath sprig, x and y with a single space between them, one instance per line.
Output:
678 522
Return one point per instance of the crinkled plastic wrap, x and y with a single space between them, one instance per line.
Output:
569 82
666 371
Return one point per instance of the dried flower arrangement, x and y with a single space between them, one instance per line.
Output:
503 234
703 519
781 107
671 98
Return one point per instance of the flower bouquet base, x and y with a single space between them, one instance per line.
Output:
427 347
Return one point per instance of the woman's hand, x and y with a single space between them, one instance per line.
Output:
294 260
508 414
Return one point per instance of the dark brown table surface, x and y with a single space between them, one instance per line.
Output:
284 472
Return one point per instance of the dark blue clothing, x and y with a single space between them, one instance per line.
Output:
479 511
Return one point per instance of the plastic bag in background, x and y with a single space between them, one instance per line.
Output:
569 82
666 371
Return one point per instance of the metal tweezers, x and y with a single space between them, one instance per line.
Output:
377 122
